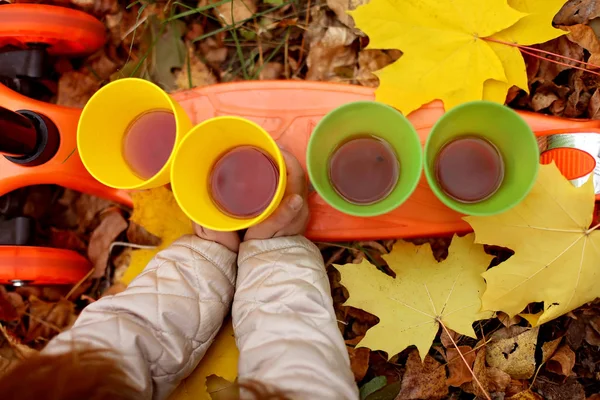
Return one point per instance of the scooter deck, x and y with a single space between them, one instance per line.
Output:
289 111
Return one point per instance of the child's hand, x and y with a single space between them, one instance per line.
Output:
291 217
231 240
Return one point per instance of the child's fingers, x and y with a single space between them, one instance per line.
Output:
282 217
296 182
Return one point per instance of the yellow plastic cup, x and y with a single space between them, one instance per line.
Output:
104 122
195 157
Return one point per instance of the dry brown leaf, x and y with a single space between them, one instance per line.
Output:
110 228
12 306
329 50
594 105
491 379
506 320
46 320
546 94
516 386
82 210
235 10
525 395
341 8
121 264
585 36
562 362
549 70
271 71
214 51
549 348
577 12
458 371
370 61
568 390
12 351
423 380
359 361
445 339
201 75
76 87
67 239
139 235
512 350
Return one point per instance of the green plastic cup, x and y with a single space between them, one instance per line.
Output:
514 140
359 119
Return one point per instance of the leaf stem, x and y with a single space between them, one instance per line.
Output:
487 396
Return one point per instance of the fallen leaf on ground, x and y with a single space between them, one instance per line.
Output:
221 360
111 226
508 321
137 234
549 348
422 379
329 50
525 395
512 350
370 61
199 72
168 52
76 87
562 362
492 379
577 12
546 94
149 209
341 8
556 258
235 10
549 70
437 39
584 36
359 362
221 389
12 351
458 371
12 307
424 293
449 340
594 105
568 390
47 320
82 210
67 239
372 386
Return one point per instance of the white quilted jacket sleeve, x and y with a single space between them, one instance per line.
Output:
163 323
284 322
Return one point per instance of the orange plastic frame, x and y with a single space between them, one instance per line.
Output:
289 111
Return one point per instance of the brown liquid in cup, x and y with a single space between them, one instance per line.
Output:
469 169
364 170
149 141
243 182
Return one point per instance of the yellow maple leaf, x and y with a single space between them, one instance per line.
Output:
446 55
221 359
158 212
423 293
534 28
557 255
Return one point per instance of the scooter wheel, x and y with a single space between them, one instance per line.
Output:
64 31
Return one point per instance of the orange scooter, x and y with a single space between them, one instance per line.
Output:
288 110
